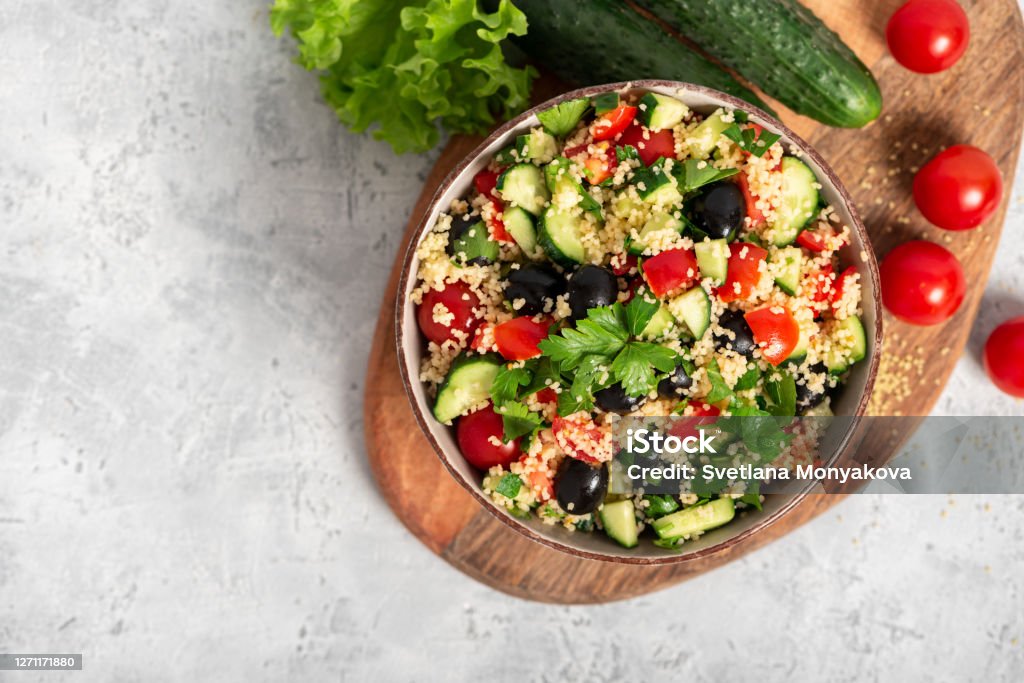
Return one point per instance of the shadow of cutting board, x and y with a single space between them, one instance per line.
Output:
979 101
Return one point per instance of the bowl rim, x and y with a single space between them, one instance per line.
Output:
425 224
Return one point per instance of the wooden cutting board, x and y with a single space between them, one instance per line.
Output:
979 101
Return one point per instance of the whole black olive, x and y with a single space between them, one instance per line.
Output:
590 287
743 339
579 487
719 210
537 285
675 384
806 397
614 399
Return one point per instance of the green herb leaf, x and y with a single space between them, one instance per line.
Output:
517 420
694 176
781 389
404 67
639 312
509 485
560 119
625 153
545 374
634 366
748 139
505 386
660 505
719 389
602 333
749 379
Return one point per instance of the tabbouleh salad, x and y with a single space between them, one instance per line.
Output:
630 256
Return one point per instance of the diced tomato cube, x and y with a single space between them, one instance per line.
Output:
775 331
750 199
623 263
517 339
655 146
485 183
842 282
671 270
744 272
611 123
580 438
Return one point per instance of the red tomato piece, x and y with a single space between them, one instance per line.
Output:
959 188
478 339
823 281
517 339
927 36
812 240
485 183
841 284
547 395
623 263
688 425
611 123
922 283
497 225
541 482
598 169
460 301
657 144
744 271
1004 357
776 332
671 270
477 433
580 438
750 199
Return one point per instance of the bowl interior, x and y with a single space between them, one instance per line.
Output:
852 400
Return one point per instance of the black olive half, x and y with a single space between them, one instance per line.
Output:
675 384
590 287
743 339
537 285
719 210
579 487
614 399
806 398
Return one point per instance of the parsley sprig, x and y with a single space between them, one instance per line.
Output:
750 141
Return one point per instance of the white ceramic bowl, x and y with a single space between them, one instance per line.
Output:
852 401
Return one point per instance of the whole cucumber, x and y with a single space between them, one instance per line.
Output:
590 42
783 48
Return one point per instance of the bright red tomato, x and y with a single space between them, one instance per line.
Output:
689 425
657 145
611 123
477 433
927 36
842 282
812 240
485 183
671 270
597 169
824 283
623 263
497 225
750 199
776 332
517 338
580 438
1004 357
959 188
744 271
460 301
547 395
922 283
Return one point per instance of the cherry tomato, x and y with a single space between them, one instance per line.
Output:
580 438
750 199
517 338
485 183
927 36
611 123
671 270
959 188
776 332
460 301
657 145
1004 357
477 434
922 283
744 271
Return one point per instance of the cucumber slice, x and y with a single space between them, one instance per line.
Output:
713 259
559 180
659 325
523 185
519 223
704 137
473 245
694 309
655 186
623 205
792 260
658 221
695 519
658 112
559 236
799 352
619 522
468 383
799 201
562 118
848 345
537 145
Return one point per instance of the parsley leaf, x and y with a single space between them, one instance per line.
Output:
625 153
719 389
509 485
517 419
781 389
602 333
749 140
693 176
639 312
544 370
634 366
748 380
505 386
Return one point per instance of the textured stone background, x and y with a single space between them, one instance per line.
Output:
192 253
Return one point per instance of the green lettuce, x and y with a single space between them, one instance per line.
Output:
407 66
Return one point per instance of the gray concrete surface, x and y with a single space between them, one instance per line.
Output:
192 254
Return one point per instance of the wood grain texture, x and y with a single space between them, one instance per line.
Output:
978 101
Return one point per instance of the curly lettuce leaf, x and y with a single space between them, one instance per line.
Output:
403 67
